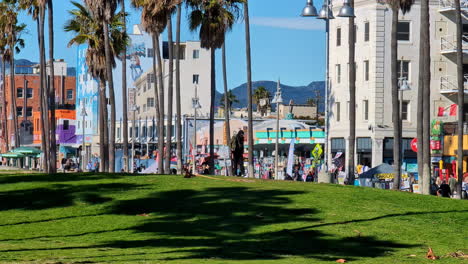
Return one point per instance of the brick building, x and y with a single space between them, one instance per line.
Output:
28 101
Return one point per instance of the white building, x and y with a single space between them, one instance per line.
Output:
374 127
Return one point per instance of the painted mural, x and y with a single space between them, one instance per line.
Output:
87 96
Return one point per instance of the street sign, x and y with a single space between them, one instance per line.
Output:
317 151
414 144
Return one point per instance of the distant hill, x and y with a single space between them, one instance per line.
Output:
299 94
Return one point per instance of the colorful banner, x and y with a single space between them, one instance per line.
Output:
290 158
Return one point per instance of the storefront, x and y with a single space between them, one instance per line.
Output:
364 151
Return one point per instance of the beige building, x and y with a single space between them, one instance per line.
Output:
374 127
300 111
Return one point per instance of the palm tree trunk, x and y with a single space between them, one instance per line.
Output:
249 88
124 97
157 51
110 84
178 104
14 124
4 109
45 91
426 177
43 106
102 125
212 108
227 109
352 99
460 98
156 102
167 165
53 144
395 101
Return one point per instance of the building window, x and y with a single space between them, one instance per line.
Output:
29 111
338 111
366 31
131 132
366 70
150 53
19 111
118 133
69 94
150 102
366 110
66 124
405 110
338 37
195 78
29 93
403 69
196 54
19 92
403 31
338 73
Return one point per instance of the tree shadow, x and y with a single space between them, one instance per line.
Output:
58 177
59 195
238 223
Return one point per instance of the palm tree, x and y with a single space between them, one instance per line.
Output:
249 88
352 97
225 101
178 104
460 97
229 98
124 93
424 101
214 19
261 93
53 143
4 58
167 165
396 6
88 30
103 11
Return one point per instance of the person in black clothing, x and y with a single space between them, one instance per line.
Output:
310 176
206 171
288 178
444 190
237 148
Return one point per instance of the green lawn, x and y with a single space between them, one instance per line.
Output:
71 218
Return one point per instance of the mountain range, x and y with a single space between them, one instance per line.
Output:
299 94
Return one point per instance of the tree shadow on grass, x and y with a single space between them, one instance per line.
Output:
58 177
59 195
238 223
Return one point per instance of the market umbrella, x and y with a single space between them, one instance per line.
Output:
381 169
28 151
12 155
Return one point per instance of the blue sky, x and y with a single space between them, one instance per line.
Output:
284 45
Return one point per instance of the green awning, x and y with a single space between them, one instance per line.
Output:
28 151
12 155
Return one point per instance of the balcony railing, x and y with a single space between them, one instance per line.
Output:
449 43
449 84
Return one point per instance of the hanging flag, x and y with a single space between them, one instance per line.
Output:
290 157
442 111
453 110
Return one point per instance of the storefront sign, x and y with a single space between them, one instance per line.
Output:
435 145
414 144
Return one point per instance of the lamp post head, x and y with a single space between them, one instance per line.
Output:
83 112
346 10
309 10
404 86
325 12
196 103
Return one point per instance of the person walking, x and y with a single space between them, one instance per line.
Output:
238 155
444 190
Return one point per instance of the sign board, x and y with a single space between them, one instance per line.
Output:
317 151
414 144
131 96
223 152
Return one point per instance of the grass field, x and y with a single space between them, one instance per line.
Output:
71 218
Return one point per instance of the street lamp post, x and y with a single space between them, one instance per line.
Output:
195 105
134 109
277 100
326 14
83 141
403 83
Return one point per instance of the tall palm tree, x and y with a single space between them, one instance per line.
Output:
226 102
4 58
53 143
228 99
167 165
178 104
352 97
249 88
88 30
396 6
124 94
261 93
424 101
104 10
460 97
213 19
